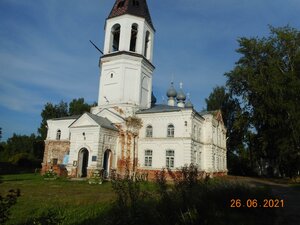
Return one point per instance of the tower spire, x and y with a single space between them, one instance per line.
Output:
133 7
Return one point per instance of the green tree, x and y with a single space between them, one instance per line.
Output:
266 81
236 124
63 109
78 107
22 150
20 144
3 153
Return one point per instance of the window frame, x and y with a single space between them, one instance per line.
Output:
133 37
147 45
115 30
58 135
170 130
148 154
170 158
149 131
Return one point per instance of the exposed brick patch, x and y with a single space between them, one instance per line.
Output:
55 150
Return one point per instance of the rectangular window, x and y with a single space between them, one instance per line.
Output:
170 130
170 158
149 131
148 158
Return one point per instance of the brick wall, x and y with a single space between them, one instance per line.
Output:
54 150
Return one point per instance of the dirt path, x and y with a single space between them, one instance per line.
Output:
290 214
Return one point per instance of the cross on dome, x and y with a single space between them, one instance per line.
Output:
181 85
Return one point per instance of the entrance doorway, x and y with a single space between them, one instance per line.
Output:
107 163
83 160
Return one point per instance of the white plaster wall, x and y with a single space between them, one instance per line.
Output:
160 122
181 147
121 81
62 125
90 141
195 143
159 143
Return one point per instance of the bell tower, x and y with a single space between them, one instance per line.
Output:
126 66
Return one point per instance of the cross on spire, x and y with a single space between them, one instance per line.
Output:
181 85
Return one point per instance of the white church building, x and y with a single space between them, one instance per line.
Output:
128 129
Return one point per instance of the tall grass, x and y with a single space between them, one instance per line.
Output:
188 200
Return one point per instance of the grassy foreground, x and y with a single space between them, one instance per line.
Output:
76 201
124 202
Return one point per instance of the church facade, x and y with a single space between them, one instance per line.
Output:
128 129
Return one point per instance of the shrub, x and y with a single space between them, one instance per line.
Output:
48 216
50 174
189 200
97 177
6 203
133 206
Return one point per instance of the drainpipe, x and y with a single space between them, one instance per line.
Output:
134 162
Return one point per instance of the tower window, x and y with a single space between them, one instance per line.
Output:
171 129
147 45
115 37
134 31
111 75
58 135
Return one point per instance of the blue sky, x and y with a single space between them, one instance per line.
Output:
45 54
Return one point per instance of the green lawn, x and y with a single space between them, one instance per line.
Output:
76 200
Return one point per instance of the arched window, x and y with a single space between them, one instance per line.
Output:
147 45
58 135
149 131
115 31
199 159
195 131
214 161
199 133
148 157
170 155
134 31
171 129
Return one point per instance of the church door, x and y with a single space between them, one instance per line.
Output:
107 163
83 159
